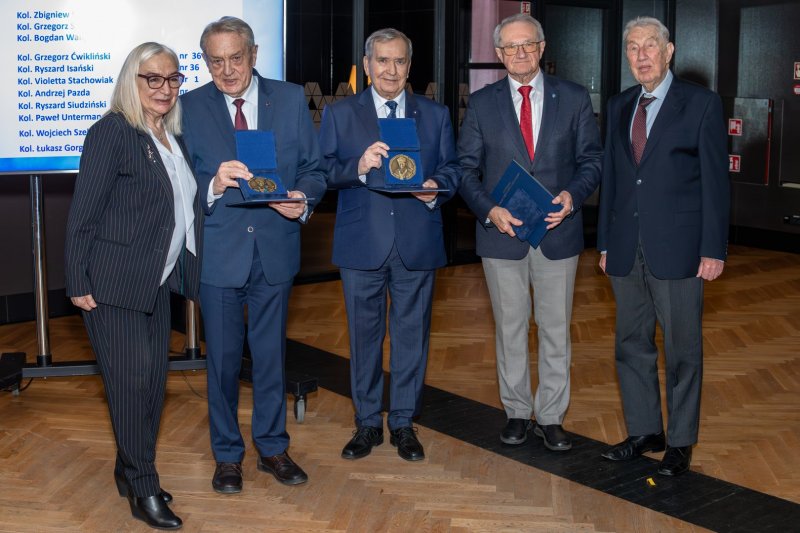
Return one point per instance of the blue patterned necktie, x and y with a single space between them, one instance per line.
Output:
392 105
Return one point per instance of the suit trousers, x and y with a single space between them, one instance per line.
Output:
677 305
224 320
132 351
365 294
553 282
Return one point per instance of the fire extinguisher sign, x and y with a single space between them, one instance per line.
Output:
734 163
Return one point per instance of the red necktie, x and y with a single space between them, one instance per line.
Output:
639 130
526 118
239 122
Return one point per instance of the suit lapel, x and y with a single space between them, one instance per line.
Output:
505 109
549 113
412 109
218 111
670 110
624 129
154 163
265 106
367 115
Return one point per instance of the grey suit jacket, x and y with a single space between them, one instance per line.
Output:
568 154
121 221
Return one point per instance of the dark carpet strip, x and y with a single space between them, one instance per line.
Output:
693 497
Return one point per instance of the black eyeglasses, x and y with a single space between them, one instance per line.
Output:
528 48
157 82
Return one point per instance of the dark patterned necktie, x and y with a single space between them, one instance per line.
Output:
392 105
239 121
526 118
639 131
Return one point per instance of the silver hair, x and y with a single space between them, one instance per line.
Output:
125 98
228 25
641 22
519 17
383 35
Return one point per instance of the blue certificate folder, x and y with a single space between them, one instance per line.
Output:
256 149
401 172
527 200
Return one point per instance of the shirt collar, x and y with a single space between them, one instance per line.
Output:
250 95
660 92
537 83
379 100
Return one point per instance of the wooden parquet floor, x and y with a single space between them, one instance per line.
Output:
57 450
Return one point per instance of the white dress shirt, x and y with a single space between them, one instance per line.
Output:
250 110
537 101
184 188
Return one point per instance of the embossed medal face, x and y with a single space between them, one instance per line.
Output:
402 167
262 185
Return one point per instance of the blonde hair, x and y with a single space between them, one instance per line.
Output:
125 98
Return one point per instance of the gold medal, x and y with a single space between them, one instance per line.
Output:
262 184
402 167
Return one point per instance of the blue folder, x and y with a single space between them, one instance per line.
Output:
256 149
395 176
527 200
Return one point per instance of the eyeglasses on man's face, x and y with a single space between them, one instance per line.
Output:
528 48
157 82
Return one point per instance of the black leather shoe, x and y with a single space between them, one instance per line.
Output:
364 438
227 478
676 461
122 487
554 437
516 431
634 447
154 512
408 447
283 468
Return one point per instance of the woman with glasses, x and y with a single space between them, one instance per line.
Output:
134 234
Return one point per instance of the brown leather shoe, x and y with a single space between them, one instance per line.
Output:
227 478
283 468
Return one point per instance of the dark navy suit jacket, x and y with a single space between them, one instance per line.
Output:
232 232
369 223
121 221
677 201
567 158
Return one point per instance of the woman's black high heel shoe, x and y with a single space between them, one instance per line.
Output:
154 512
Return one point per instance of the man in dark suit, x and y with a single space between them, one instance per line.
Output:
663 230
387 242
253 253
546 125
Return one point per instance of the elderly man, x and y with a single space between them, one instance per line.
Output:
387 244
546 125
663 231
253 253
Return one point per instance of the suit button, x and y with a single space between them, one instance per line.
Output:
638 182
249 229
635 214
391 213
